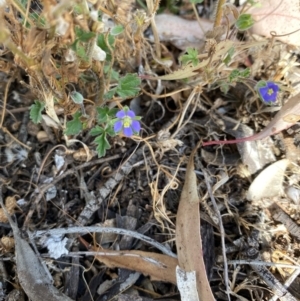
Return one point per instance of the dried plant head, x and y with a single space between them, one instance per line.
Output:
11 205
121 10
7 244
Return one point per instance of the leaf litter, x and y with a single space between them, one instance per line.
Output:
184 212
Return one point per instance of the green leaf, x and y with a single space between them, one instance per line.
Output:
196 1
36 111
128 86
113 112
229 55
102 145
74 126
190 57
254 3
105 114
80 51
117 30
97 130
102 114
244 22
76 97
113 74
101 42
110 94
233 75
110 131
84 36
224 87
260 84
245 73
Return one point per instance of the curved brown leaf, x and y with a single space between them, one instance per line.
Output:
157 266
188 237
31 273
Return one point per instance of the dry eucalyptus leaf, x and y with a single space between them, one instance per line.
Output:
188 238
32 275
186 282
280 16
158 266
269 183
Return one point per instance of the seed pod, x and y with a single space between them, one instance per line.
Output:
11 204
3 218
8 243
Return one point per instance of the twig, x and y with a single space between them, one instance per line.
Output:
6 131
5 99
280 216
184 110
264 263
251 253
288 282
98 229
222 231
94 204
45 187
30 271
277 288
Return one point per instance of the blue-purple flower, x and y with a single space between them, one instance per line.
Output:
127 122
268 92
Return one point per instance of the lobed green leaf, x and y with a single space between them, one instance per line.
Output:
36 111
190 57
244 22
102 145
74 126
128 86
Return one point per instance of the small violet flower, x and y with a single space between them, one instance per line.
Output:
268 92
127 122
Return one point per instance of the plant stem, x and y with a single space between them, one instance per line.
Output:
152 10
219 13
5 40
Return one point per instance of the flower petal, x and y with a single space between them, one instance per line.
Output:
273 86
263 91
130 114
118 126
121 114
128 132
268 94
136 126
